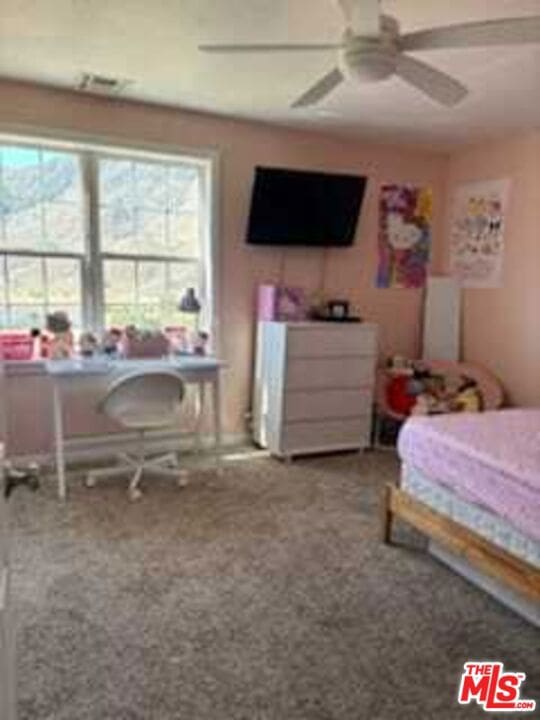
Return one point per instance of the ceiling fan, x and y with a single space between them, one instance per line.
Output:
373 49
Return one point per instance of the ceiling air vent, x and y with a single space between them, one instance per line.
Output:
101 84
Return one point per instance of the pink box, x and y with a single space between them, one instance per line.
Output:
146 347
276 302
16 346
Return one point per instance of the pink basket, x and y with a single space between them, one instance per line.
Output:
16 346
152 347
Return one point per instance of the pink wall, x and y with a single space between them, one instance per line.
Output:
349 272
501 327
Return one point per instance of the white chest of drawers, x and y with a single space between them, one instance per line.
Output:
313 386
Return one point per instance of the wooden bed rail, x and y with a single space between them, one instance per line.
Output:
462 541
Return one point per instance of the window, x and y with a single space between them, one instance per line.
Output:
110 238
149 219
41 235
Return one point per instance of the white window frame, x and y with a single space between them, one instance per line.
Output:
92 258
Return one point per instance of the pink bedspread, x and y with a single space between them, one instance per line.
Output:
492 459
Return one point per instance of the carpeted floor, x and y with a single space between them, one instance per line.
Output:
261 595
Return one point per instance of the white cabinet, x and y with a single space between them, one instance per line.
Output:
313 387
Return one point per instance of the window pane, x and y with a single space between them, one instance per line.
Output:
25 317
26 292
63 226
184 234
35 184
25 276
184 191
119 279
118 228
119 288
152 282
24 228
64 282
2 281
20 187
61 177
149 208
151 186
183 276
36 286
116 182
152 294
152 232
149 292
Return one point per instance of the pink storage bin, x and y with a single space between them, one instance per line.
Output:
151 347
16 346
276 302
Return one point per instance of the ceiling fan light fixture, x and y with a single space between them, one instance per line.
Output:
368 63
370 59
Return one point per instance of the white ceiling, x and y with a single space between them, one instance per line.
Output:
153 43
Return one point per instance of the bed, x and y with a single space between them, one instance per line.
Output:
471 483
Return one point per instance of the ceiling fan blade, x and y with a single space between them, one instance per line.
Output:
512 31
362 16
284 47
321 89
432 82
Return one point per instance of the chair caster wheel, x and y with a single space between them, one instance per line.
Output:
135 494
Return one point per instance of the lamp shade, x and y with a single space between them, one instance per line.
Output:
189 303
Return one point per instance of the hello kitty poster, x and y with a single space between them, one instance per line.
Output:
477 233
405 214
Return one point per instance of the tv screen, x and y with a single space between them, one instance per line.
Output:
293 207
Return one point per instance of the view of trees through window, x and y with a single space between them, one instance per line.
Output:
41 235
146 240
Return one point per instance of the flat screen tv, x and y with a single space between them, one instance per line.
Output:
294 207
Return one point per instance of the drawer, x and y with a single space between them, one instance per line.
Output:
332 340
331 373
325 436
327 404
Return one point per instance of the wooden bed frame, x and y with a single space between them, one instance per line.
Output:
479 552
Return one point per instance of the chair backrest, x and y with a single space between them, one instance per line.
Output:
144 393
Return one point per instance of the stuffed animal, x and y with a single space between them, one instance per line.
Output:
111 342
88 344
468 397
430 391
61 344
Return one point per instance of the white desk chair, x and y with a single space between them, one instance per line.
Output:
143 401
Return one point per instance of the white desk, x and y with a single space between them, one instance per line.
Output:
200 371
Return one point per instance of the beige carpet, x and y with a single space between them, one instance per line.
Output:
261 595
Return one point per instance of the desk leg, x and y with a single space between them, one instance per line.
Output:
216 387
59 441
199 415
